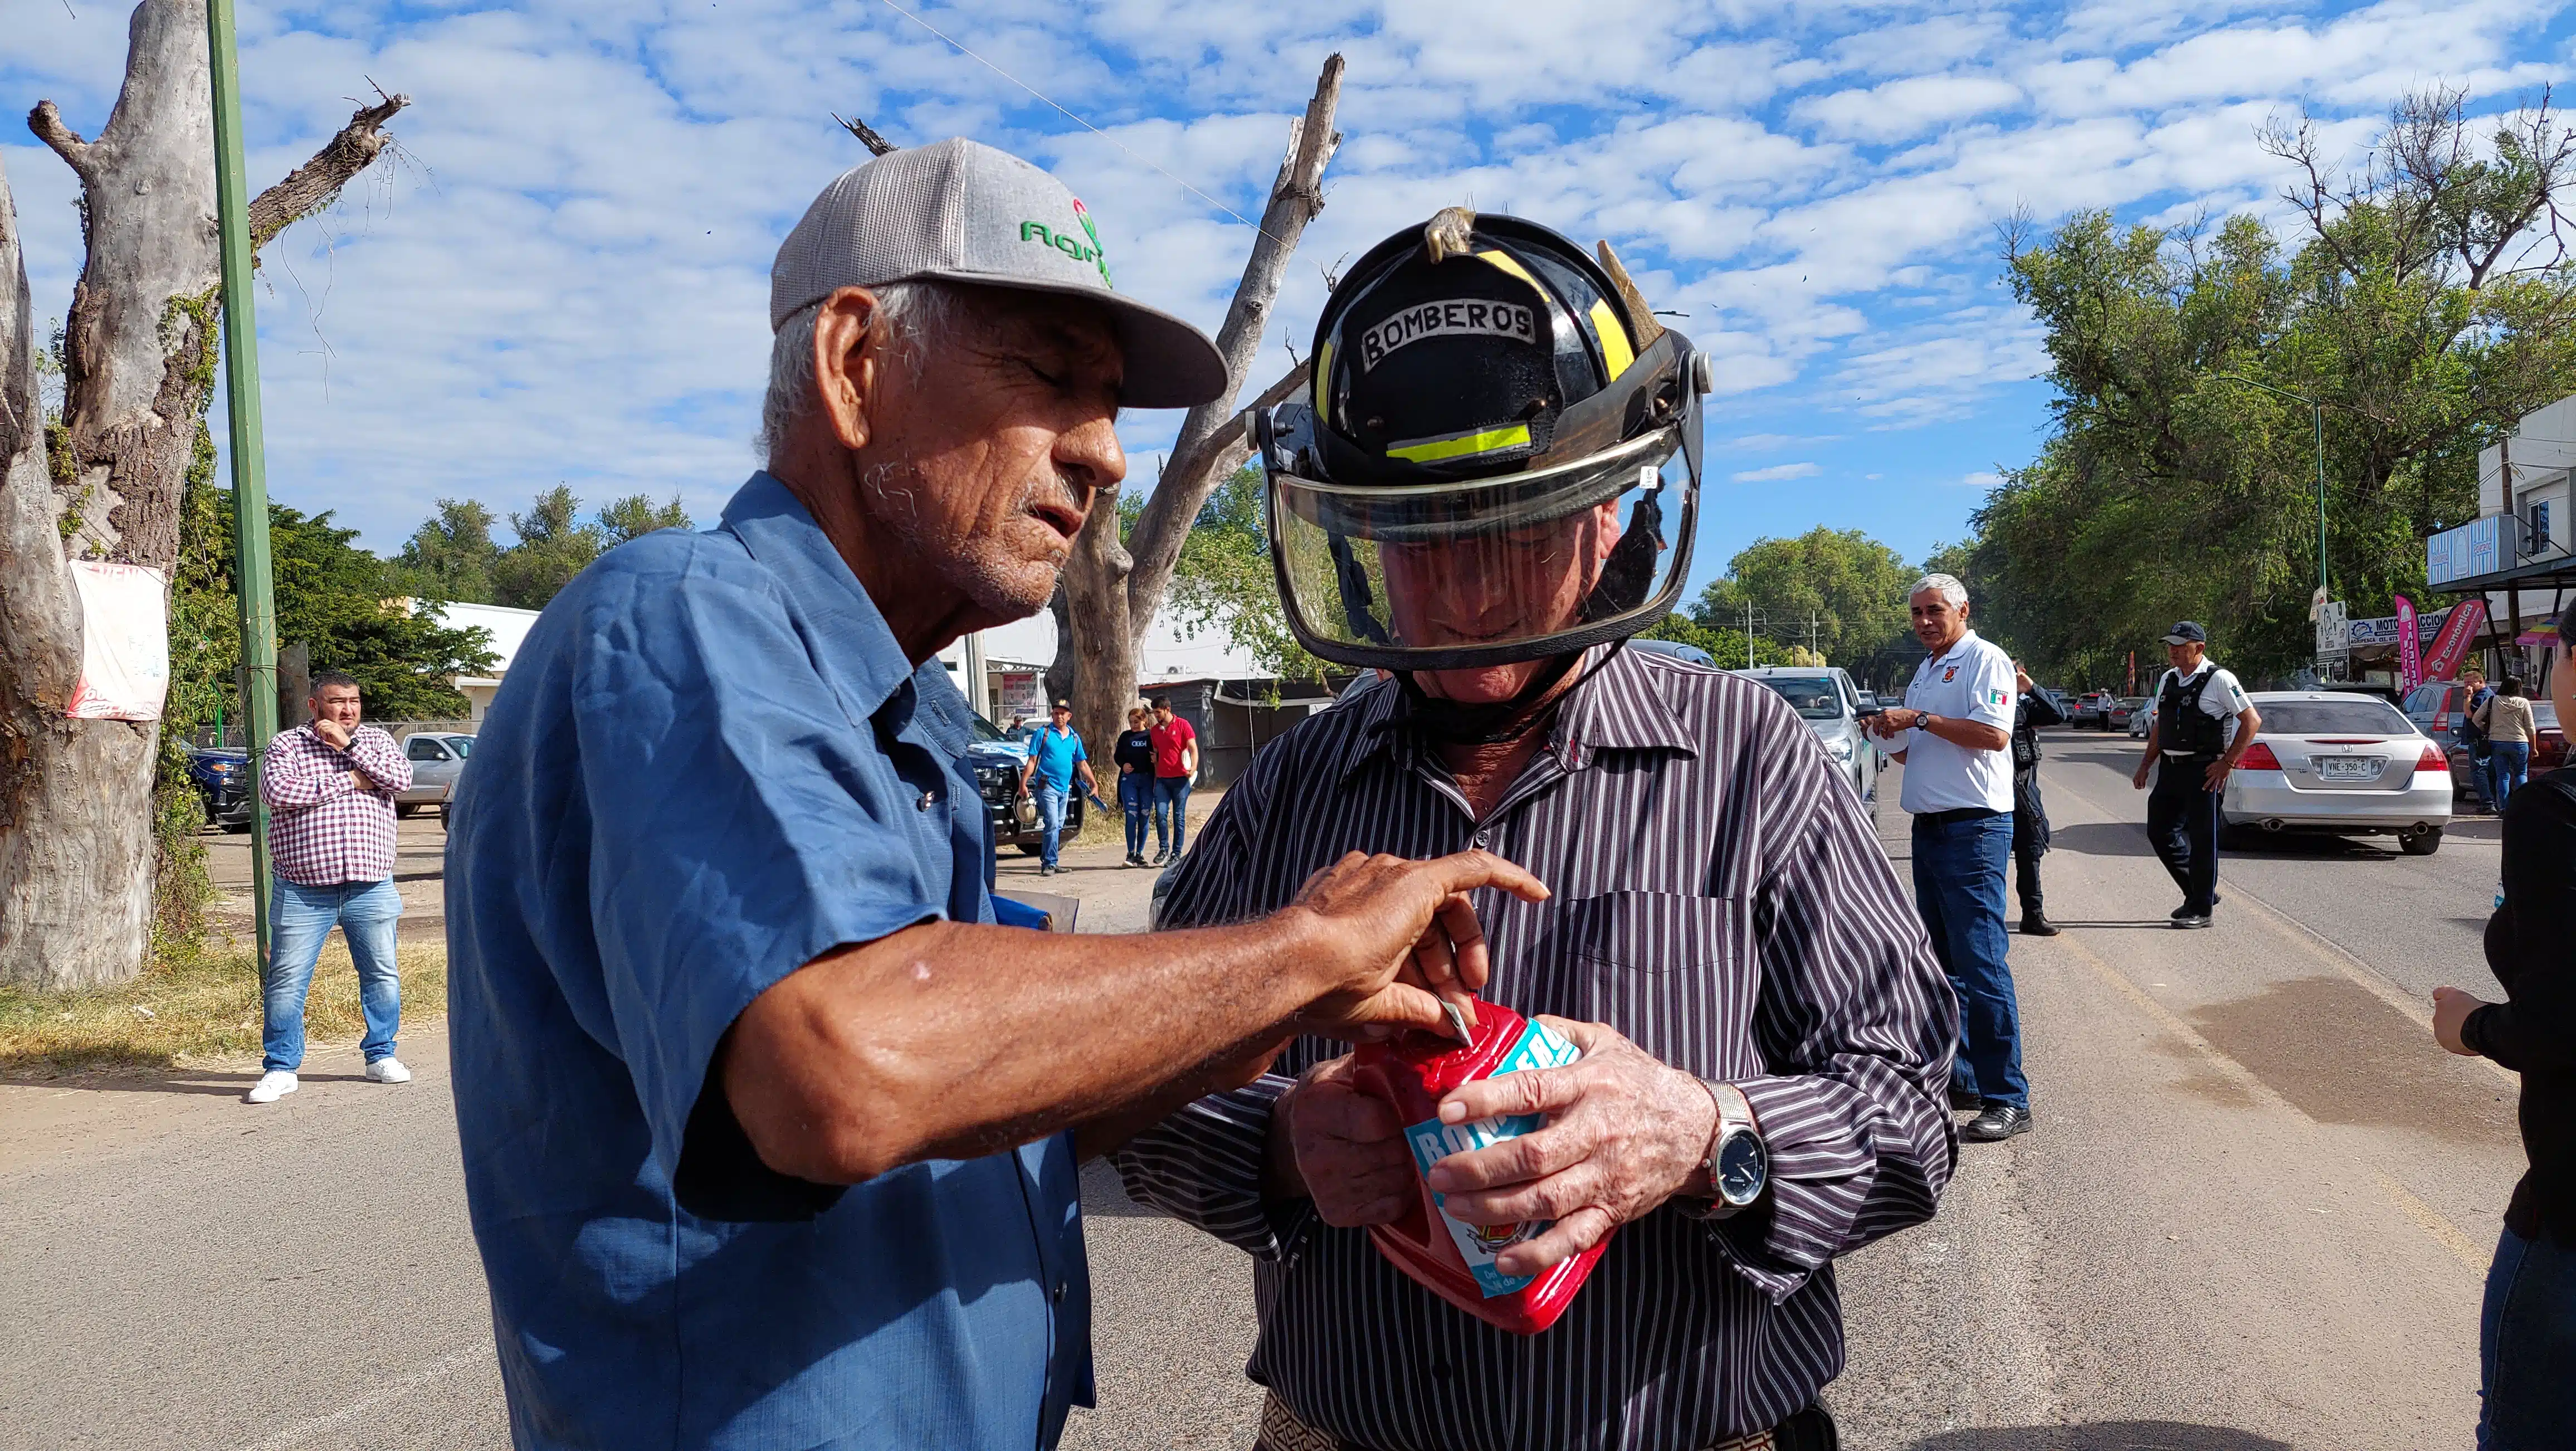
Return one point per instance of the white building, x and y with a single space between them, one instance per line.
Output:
2517 552
509 630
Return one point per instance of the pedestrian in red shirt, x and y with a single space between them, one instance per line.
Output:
330 789
1176 764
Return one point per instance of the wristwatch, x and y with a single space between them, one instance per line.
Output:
1738 1165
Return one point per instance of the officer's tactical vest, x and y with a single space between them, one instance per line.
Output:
2182 727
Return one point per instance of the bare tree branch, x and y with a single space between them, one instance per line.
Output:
316 184
47 122
868 136
1295 197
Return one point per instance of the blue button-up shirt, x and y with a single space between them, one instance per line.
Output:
710 765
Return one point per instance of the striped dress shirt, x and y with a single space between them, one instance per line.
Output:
1719 897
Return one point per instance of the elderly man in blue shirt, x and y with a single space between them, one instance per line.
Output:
769 1133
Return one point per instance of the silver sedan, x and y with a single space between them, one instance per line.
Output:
437 759
2339 763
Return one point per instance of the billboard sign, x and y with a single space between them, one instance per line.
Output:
2470 550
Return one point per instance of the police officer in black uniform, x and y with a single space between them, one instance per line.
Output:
2194 703
2033 707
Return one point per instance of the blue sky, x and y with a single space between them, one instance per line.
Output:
563 274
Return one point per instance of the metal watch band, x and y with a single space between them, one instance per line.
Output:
1734 1112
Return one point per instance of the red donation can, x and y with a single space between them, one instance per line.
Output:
1453 1260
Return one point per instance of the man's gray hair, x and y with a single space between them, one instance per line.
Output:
1947 586
917 313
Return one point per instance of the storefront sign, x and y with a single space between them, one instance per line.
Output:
2470 550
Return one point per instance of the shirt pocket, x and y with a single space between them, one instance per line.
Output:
1675 973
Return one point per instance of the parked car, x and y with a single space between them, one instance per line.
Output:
437 759
1675 649
2435 708
2125 709
2142 718
997 761
221 775
2092 708
2342 763
1829 703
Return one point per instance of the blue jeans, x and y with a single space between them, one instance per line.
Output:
299 917
2509 769
1050 818
1959 889
1136 798
1171 813
2527 1346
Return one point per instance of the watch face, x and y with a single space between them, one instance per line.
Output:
1743 1167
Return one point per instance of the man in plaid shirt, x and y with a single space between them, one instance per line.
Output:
330 789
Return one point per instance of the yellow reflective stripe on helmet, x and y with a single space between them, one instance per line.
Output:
1510 264
1322 374
1615 352
1461 445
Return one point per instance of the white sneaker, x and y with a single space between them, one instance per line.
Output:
273 1085
388 1070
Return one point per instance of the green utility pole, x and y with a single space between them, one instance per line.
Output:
250 467
2319 411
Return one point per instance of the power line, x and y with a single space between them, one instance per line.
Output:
962 49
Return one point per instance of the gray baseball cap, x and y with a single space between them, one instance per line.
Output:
959 211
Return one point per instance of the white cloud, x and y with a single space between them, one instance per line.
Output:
564 275
1777 472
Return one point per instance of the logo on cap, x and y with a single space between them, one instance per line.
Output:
1069 244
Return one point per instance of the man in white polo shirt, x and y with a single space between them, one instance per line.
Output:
1956 726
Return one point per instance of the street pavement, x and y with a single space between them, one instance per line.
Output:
2254 1214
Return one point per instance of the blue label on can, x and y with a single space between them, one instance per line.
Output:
1433 1141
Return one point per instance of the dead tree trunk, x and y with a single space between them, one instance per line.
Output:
1113 589
76 847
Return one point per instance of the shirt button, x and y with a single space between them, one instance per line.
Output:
1062 1289
928 797
1482 838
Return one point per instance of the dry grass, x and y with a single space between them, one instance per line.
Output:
204 1009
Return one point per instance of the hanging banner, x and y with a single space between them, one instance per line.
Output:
2451 646
125 642
2132 687
2546 634
2410 646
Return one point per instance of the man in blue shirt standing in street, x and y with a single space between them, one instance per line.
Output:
1055 755
769 1135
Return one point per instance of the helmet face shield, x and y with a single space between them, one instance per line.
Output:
1442 575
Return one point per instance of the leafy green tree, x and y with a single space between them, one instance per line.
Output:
636 515
554 545
2428 308
1225 582
451 557
1845 587
1724 644
349 607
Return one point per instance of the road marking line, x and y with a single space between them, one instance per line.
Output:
2433 1223
445 1365
2425 1216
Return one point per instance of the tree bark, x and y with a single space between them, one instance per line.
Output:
1112 588
76 847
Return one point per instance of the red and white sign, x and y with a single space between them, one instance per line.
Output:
2451 646
125 642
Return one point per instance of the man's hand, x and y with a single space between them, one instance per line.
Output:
1888 723
2138 777
332 732
2215 777
1624 1133
1343 1149
358 781
1396 927
2451 1009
